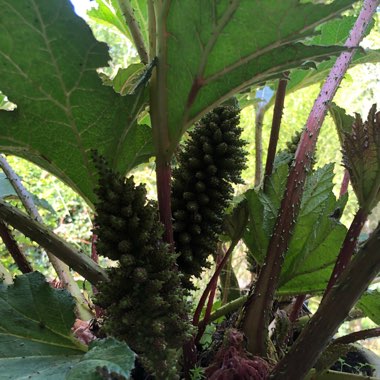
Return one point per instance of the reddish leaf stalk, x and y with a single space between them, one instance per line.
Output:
95 257
163 173
276 123
319 331
358 335
202 325
348 248
345 183
259 304
297 308
209 286
14 250
94 253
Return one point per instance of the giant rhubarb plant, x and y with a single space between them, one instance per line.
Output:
361 158
259 304
192 60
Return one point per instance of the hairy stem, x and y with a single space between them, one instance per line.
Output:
159 118
62 270
358 335
259 304
13 249
134 28
225 309
348 248
276 123
209 286
163 173
81 263
297 308
318 333
205 321
345 183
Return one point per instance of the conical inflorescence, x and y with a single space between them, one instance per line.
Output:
143 301
212 159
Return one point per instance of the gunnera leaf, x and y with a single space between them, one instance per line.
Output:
361 157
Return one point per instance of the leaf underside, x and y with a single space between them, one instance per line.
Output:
209 63
48 62
35 329
369 303
317 236
108 13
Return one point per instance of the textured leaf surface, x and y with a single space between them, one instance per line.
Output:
7 191
126 79
106 356
263 209
6 188
343 122
317 236
208 61
334 32
35 337
361 156
48 61
369 303
109 14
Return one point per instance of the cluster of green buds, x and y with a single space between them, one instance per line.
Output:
211 159
144 302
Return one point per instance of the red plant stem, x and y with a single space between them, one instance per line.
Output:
94 252
163 173
276 123
297 308
259 303
345 183
358 335
202 325
99 312
209 286
348 248
318 332
14 250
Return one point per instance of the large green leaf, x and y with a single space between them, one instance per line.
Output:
107 356
108 13
36 340
35 324
317 236
263 209
361 153
369 303
48 62
342 120
334 32
202 43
